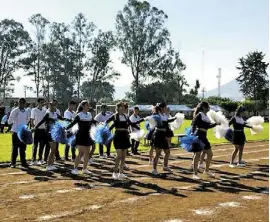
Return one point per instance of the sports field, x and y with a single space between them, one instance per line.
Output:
236 194
5 140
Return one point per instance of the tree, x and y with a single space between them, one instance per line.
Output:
195 91
103 91
190 100
59 57
40 23
82 38
99 69
229 106
14 41
141 36
169 70
253 78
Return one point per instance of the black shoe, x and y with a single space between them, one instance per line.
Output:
25 165
12 165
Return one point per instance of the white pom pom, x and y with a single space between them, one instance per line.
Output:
75 129
137 135
220 118
152 121
212 115
256 129
221 130
93 131
178 122
255 120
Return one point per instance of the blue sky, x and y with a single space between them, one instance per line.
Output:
224 29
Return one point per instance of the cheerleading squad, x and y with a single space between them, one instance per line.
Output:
80 131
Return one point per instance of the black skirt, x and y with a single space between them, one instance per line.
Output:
239 138
203 138
169 133
49 137
83 139
160 140
121 140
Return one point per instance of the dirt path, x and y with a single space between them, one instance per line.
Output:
236 194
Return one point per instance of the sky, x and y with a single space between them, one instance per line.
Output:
222 30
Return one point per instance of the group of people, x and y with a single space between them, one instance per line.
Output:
41 119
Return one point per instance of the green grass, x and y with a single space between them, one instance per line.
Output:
5 141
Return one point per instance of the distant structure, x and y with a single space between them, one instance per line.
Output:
219 80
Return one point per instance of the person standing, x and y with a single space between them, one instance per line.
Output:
239 138
37 115
18 116
135 118
101 118
70 115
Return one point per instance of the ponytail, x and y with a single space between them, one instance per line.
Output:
200 107
81 105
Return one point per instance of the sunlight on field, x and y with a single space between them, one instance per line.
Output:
5 140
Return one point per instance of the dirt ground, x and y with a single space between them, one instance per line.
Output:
236 194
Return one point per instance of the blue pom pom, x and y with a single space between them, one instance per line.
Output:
157 118
147 126
229 135
102 134
71 140
189 141
25 134
58 132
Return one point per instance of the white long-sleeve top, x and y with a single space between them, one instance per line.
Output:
18 117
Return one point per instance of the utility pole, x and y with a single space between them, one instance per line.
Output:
219 80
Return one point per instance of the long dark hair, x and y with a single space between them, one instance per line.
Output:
81 105
200 107
239 110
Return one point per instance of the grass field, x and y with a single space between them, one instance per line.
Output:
5 141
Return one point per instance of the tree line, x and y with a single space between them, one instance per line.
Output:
73 60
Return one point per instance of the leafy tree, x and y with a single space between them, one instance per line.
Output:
104 91
99 68
229 106
253 77
141 36
190 100
82 33
195 91
14 41
216 100
33 62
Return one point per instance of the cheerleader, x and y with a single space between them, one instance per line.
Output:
200 124
160 141
169 131
49 119
121 138
83 140
239 137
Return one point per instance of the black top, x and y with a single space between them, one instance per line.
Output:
238 123
164 124
122 121
49 119
201 121
84 121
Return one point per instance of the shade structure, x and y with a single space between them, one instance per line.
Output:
173 108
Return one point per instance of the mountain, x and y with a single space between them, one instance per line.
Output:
230 90
120 91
